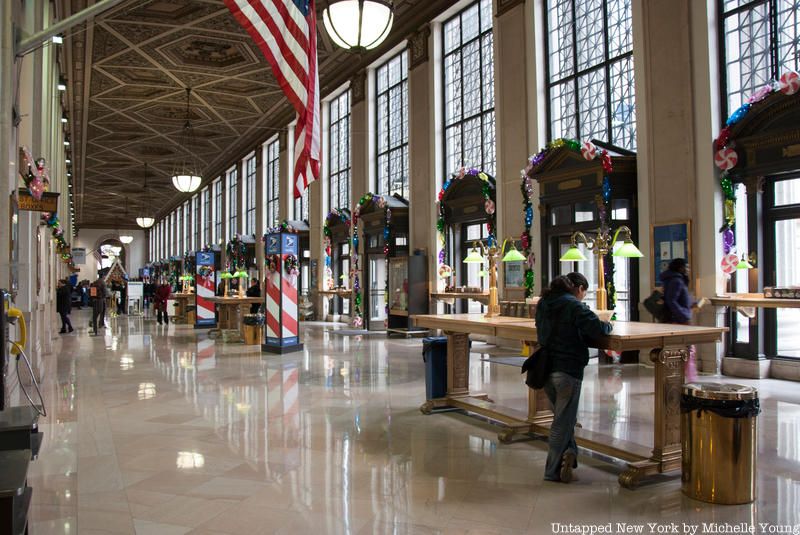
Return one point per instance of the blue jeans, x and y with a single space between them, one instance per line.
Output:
564 392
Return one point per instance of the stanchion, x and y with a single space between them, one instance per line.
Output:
282 334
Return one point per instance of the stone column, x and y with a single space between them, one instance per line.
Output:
240 169
423 87
677 113
260 228
317 212
285 176
359 174
512 60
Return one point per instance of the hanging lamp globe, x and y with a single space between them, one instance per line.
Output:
145 222
185 175
358 24
126 238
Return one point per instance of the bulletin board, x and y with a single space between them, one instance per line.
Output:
669 241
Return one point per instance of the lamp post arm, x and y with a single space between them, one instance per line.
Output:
578 235
623 228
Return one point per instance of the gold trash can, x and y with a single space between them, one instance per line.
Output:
253 334
718 439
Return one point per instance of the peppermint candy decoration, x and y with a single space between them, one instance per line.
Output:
589 150
790 83
358 321
729 263
726 159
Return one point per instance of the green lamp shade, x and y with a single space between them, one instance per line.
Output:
241 275
744 264
573 254
628 250
474 257
514 256
186 277
226 275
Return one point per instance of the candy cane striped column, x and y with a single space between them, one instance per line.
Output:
282 333
204 313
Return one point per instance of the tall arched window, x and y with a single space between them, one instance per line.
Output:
469 123
759 41
339 153
589 74
391 133
273 181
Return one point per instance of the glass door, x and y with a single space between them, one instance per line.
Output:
377 289
782 265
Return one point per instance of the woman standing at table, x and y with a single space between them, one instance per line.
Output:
565 327
160 302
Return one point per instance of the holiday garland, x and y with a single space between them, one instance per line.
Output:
236 251
205 271
590 152
272 262
283 226
489 195
63 249
380 202
726 158
334 216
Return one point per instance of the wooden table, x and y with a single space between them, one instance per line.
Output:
450 297
344 293
753 300
668 346
182 300
231 310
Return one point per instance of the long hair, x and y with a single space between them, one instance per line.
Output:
569 283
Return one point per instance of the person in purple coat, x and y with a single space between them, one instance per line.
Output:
677 300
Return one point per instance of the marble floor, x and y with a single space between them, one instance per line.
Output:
159 430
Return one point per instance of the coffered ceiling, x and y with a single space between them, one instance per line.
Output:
127 71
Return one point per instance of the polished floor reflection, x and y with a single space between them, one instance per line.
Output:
159 430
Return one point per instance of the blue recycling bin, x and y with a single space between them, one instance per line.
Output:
434 353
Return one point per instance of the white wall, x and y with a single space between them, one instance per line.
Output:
135 252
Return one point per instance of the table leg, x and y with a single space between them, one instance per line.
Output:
457 372
539 410
457 364
669 367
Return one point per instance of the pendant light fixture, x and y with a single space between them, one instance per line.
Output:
144 220
358 24
125 238
185 174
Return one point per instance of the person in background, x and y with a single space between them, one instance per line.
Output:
565 327
677 301
64 305
85 293
679 305
97 294
254 291
160 298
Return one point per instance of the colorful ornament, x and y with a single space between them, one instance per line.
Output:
738 114
729 263
589 150
790 83
728 240
761 94
726 159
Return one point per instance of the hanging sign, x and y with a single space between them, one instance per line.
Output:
79 255
48 202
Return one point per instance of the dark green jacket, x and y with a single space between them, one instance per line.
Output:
568 342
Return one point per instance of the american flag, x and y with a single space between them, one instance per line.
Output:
286 32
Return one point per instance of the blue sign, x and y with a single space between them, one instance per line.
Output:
205 259
273 243
290 243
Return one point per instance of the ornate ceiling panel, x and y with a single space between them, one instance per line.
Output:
127 71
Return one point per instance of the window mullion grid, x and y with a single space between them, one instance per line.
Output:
575 93
607 72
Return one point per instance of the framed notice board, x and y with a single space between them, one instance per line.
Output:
668 242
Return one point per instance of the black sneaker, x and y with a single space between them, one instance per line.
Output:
567 463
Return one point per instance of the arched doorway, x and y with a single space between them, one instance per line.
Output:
107 250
